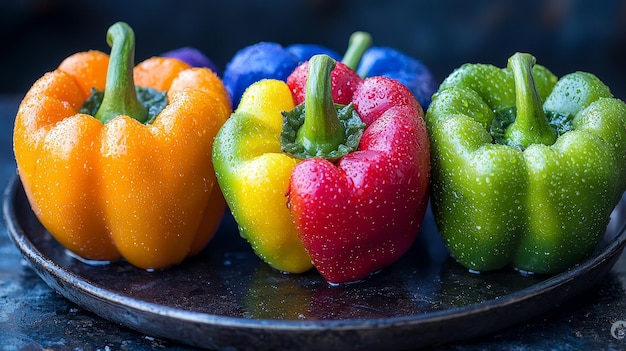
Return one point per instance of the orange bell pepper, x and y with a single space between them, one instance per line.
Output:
117 184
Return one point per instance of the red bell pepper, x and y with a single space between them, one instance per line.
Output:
360 212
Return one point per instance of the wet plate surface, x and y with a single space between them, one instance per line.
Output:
227 299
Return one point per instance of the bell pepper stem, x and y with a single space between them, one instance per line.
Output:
322 131
359 42
531 125
120 97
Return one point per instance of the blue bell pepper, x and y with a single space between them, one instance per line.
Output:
389 62
266 60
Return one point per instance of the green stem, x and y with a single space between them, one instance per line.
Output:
120 97
359 42
322 132
531 125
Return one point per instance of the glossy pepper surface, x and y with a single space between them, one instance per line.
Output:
271 60
266 60
130 180
342 187
392 63
526 167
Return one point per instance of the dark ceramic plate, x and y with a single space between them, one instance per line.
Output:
227 299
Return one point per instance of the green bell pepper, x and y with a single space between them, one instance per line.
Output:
519 182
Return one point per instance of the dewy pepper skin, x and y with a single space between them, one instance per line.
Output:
114 171
526 168
392 63
266 60
343 187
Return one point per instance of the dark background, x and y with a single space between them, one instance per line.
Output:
564 35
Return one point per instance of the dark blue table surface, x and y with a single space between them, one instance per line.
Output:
36 317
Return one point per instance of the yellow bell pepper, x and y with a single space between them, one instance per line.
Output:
127 181
253 173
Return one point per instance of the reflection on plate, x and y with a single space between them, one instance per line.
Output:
227 298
